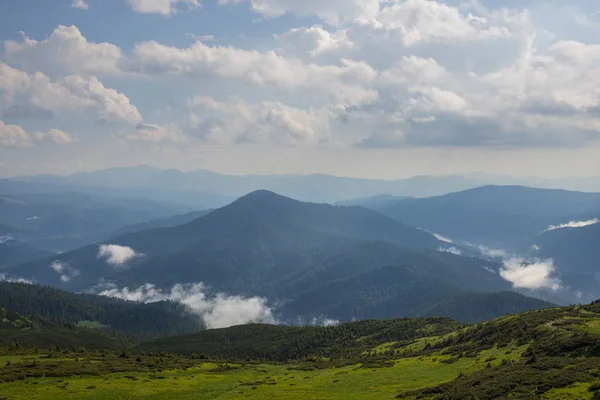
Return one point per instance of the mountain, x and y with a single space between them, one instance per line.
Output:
13 252
35 332
167 222
260 237
541 354
316 187
575 252
316 260
477 307
138 320
495 216
59 221
402 338
373 202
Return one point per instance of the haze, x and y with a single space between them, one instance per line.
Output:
358 88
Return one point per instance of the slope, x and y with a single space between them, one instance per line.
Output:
575 252
501 216
35 332
67 220
65 308
261 236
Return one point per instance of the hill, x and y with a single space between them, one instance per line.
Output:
256 239
137 320
13 252
497 216
166 222
575 252
64 220
316 260
543 354
477 307
35 332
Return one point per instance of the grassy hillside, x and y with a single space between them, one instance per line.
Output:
548 354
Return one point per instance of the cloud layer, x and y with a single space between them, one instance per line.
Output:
217 311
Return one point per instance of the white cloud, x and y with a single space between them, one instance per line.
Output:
421 21
537 274
370 74
332 12
10 278
574 224
66 51
239 121
116 255
64 270
442 238
315 40
156 133
451 250
14 136
68 94
489 252
6 238
164 7
80 4
324 321
217 311
56 136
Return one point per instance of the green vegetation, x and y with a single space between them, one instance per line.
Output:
138 320
546 354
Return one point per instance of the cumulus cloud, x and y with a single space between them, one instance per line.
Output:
369 74
80 4
574 224
66 51
164 7
116 255
315 40
217 311
333 12
14 136
67 94
56 136
536 274
238 121
11 278
63 269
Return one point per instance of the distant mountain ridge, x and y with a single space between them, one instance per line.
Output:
211 189
495 216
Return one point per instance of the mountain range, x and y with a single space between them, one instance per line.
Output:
207 189
311 260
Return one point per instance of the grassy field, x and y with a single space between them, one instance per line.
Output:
552 354
209 380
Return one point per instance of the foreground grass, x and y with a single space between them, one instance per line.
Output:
209 380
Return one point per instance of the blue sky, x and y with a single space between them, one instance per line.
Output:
368 88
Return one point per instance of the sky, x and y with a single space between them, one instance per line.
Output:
367 88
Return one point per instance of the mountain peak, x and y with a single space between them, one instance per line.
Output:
264 195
